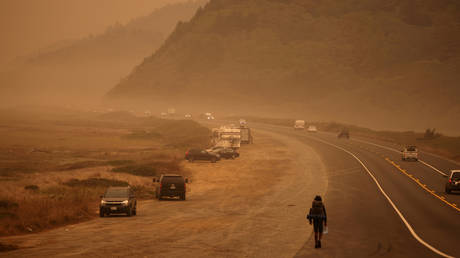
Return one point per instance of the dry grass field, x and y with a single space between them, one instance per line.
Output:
54 164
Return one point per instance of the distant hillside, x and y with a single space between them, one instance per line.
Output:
89 67
392 64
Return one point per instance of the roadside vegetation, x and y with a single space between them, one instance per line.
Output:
54 169
430 140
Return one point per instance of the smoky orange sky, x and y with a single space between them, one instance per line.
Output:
28 25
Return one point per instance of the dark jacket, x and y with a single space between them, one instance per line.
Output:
317 212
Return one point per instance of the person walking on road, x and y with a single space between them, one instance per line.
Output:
317 216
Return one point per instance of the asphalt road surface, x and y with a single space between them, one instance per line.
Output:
362 221
255 206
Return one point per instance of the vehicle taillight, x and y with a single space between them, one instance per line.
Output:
450 180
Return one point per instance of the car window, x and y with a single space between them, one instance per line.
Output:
116 193
173 179
456 175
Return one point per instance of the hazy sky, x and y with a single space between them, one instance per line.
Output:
27 25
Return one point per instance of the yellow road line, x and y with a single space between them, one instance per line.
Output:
432 192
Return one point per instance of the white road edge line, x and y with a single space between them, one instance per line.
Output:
409 227
391 149
430 166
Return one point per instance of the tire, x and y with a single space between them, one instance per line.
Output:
213 160
135 210
190 159
129 213
182 197
233 156
101 213
159 197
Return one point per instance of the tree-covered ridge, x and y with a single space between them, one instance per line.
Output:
356 54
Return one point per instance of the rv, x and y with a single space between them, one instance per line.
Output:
227 136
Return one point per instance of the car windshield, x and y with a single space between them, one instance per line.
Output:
456 175
116 193
173 179
411 148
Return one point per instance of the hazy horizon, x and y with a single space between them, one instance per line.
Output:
28 26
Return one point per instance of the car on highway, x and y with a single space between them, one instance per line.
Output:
299 125
312 129
197 154
453 182
344 134
118 200
171 185
188 116
409 153
225 152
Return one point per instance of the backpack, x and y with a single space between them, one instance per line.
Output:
317 208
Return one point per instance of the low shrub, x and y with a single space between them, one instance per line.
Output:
138 170
95 182
150 169
119 162
32 188
83 164
6 247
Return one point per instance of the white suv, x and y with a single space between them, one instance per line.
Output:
312 129
410 153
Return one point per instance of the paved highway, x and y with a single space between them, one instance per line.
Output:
379 205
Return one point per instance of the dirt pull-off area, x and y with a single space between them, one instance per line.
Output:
253 206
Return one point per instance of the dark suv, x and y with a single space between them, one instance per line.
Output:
171 185
118 200
225 152
454 181
195 154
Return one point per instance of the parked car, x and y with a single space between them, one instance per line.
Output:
225 152
118 200
171 185
344 134
196 154
453 182
409 153
312 129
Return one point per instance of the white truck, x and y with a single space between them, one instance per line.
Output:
227 136
299 125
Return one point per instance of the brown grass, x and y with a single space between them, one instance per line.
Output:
53 169
36 212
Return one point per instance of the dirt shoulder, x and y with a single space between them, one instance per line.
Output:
253 206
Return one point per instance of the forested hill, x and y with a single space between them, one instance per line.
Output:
394 63
92 65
